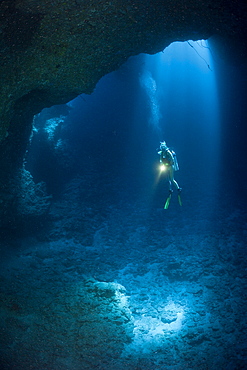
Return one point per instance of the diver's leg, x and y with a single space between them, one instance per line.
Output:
167 203
176 184
170 179
179 192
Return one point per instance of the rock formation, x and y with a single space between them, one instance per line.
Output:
53 51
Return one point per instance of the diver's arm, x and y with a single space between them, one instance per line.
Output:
161 155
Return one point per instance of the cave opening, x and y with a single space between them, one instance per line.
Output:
170 96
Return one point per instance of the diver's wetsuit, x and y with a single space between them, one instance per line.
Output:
168 158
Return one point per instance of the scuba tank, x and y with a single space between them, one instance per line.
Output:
175 161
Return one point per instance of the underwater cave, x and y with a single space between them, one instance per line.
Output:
105 264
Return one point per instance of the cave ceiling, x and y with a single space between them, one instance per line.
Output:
53 50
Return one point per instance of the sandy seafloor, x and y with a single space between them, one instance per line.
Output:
122 285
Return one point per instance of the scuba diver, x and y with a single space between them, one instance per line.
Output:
169 164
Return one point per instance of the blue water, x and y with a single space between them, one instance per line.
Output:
109 279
